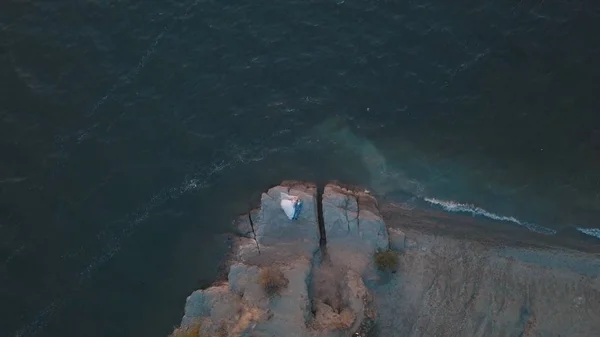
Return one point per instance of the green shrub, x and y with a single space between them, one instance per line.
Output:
272 280
386 260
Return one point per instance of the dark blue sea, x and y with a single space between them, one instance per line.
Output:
133 132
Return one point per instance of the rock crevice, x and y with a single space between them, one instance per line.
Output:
321 221
312 253
251 222
316 276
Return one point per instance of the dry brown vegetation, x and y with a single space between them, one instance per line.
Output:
272 280
222 331
386 260
192 330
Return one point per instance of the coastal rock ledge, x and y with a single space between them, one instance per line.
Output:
332 273
322 260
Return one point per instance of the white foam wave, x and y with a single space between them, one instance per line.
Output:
453 206
595 232
41 319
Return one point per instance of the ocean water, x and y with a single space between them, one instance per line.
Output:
133 132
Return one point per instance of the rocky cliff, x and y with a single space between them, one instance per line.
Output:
317 277
323 257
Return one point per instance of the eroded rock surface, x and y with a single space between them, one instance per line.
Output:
355 231
451 280
447 285
322 297
354 227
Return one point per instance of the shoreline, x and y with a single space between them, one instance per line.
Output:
448 262
480 229
464 276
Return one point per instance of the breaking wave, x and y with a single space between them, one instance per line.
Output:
595 232
453 206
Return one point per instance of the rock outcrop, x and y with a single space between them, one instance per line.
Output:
354 228
354 233
324 293
316 276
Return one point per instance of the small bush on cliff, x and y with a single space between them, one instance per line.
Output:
272 280
222 331
192 330
386 260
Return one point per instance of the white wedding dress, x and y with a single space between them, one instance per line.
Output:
288 205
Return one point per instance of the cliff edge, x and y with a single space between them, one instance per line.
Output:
301 277
317 276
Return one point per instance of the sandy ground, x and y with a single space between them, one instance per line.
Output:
460 276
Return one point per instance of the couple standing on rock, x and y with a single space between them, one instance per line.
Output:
291 205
